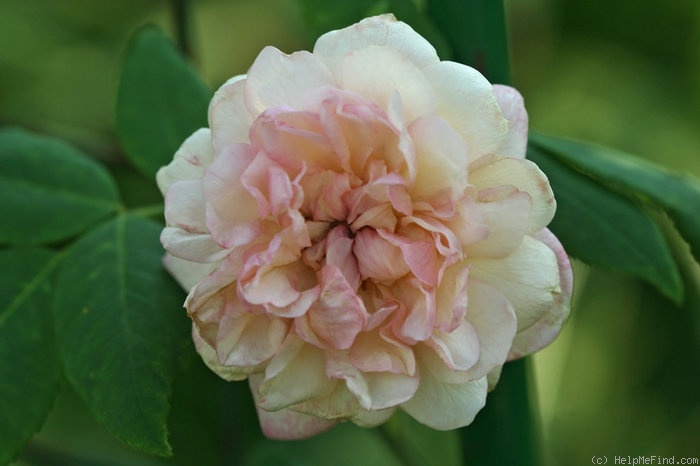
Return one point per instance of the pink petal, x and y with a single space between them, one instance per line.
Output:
379 351
339 314
377 258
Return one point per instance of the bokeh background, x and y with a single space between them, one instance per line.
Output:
624 376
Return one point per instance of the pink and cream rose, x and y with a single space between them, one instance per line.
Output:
360 232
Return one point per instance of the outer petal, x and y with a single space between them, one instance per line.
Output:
466 100
506 213
187 273
529 278
378 72
190 160
229 118
185 206
208 355
380 30
445 406
294 375
542 332
526 176
195 247
280 80
513 108
286 424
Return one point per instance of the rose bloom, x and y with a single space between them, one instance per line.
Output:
359 231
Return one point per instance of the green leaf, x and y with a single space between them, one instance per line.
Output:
677 194
121 329
476 31
30 374
345 444
161 101
50 191
601 227
419 445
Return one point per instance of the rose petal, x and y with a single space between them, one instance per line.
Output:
525 176
513 108
191 159
279 80
441 158
529 278
466 100
286 424
542 332
445 406
377 72
379 30
229 118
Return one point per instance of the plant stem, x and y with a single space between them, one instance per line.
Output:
180 10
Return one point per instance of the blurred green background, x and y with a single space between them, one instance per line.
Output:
624 376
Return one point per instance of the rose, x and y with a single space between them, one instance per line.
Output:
359 232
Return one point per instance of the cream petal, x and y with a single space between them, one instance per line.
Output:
294 81
190 161
441 158
525 176
246 339
492 315
295 374
185 206
195 247
451 298
187 273
459 349
542 332
513 108
506 214
445 406
209 357
286 424
365 418
379 30
378 73
466 100
374 390
379 351
528 278
229 118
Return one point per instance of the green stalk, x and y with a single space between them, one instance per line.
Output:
476 31
507 430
